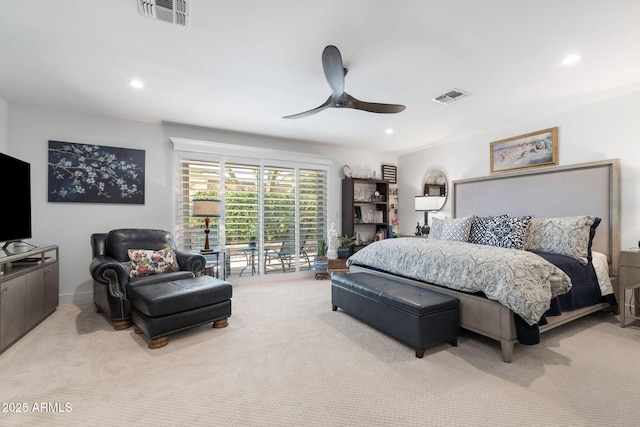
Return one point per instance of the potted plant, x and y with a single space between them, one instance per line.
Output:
321 263
345 246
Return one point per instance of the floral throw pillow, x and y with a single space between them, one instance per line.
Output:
145 262
570 236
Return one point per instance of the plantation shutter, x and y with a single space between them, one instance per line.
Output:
280 221
284 207
241 203
313 209
196 179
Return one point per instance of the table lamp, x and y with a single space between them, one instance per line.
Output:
426 204
206 209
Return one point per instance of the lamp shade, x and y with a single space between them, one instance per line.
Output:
428 203
206 208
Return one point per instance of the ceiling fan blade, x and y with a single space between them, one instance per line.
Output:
334 71
326 104
373 107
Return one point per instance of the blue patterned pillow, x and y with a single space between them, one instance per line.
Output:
508 232
481 229
454 230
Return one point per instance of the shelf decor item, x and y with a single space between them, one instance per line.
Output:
345 246
525 151
377 197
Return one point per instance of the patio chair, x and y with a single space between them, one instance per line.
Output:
285 254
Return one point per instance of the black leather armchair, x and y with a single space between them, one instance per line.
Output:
110 268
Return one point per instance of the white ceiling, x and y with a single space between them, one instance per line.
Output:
242 65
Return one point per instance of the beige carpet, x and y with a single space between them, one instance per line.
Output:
287 360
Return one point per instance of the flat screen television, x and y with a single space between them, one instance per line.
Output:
15 181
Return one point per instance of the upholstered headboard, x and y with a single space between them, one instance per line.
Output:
582 189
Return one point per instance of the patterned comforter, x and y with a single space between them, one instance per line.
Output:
520 280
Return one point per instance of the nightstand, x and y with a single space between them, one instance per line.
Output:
629 278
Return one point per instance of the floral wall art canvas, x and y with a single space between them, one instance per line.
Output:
86 173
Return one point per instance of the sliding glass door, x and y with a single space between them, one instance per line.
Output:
273 216
280 219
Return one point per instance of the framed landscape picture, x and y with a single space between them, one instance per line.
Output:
525 151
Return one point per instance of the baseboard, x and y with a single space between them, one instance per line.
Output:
75 298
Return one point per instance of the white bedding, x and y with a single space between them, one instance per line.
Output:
601 266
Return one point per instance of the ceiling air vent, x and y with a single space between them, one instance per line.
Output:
171 11
451 96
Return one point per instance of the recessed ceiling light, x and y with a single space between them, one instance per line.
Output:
136 83
571 59
389 131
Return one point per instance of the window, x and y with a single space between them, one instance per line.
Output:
313 208
241 203
196 179
280 218
283 207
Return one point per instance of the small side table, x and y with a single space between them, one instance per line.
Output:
213 266
338 266
250 255
629 279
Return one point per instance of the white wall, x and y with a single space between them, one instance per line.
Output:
605 130
70 225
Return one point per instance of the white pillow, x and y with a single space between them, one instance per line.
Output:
601 267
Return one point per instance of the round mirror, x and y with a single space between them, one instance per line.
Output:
434 184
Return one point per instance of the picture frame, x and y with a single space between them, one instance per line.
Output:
390 173
434 190
530 150
89 173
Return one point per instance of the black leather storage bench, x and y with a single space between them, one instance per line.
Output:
160 309
416 316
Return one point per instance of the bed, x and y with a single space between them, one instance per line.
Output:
588 189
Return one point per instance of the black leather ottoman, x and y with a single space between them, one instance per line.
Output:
160 309
416 316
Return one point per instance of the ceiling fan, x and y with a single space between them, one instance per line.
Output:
335 72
